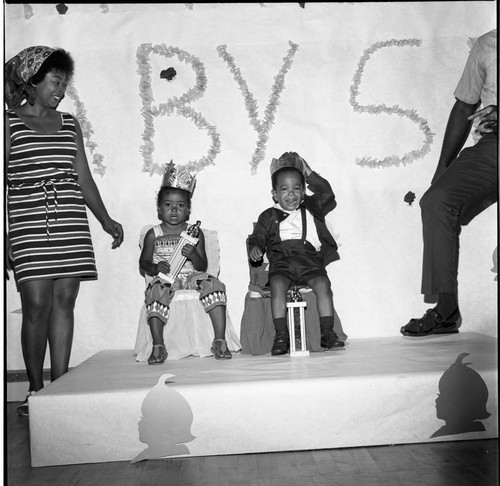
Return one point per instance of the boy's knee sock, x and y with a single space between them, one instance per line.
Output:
326 323
280 325
447 304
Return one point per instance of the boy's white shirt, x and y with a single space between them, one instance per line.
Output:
291 227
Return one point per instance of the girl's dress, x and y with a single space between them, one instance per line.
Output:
48 227
188 330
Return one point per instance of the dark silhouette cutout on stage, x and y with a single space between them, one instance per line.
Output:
166 422
461 401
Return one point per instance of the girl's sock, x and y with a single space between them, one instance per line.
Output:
280 325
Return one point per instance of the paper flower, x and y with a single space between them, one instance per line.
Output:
28 11
175 105
61 8
391 160
168 74
87 130
263 126
409 197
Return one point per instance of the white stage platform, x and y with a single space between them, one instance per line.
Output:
375 392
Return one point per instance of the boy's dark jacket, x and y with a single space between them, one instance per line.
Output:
266 231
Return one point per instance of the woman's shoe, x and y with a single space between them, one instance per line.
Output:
220 351
23 409
158 354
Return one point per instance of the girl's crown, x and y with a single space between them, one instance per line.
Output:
288 159
180 179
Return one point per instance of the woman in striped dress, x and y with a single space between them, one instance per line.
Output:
49 184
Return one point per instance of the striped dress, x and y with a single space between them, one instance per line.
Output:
48 227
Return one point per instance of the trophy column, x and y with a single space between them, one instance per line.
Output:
177 261
297 303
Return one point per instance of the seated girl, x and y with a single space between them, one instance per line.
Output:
160 242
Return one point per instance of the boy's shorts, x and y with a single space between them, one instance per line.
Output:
298 261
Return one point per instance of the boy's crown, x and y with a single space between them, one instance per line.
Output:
288 159
180 179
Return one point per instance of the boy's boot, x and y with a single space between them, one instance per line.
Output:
281 344
329 338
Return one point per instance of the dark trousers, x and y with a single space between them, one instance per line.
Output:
467 187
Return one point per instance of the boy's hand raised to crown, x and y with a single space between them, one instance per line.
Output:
307 169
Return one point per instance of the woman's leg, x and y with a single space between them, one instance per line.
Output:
36 298
61 324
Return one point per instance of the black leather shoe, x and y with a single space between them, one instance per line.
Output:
330 340
433 323
281 344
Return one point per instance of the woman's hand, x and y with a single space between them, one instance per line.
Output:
115 230
9 258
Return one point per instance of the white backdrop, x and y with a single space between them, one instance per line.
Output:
398 63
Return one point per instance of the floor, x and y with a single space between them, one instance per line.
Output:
466 463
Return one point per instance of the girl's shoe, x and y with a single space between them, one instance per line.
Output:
23 409
220 351
158 354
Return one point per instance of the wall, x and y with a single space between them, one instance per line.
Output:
365 96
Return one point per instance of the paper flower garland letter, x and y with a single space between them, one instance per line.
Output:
392 160
177 105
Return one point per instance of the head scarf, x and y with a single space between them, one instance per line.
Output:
20 69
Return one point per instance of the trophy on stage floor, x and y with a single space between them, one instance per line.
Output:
178 259
297 304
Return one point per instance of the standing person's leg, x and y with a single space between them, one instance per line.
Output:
36 298
279 285
472 176
324 296
61 325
